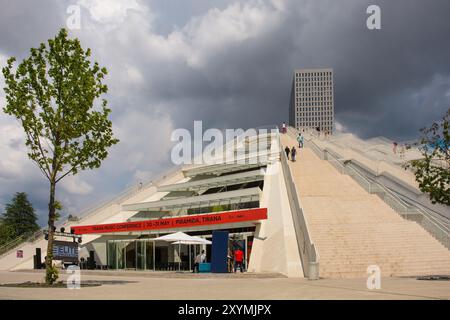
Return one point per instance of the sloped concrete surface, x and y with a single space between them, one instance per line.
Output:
353 229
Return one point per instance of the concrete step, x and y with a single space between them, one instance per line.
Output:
339 246
372 235
382 226
353 229
364 275
383 257
354 246
362 262
388 270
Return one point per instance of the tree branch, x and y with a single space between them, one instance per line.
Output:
47 174
65 174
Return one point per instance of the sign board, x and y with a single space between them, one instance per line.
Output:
177 222
19 254
65 250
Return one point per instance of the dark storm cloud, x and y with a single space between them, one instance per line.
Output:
373 69
378 71
25 24
232 66
175 13
247 83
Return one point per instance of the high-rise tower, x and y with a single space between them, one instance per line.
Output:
312 100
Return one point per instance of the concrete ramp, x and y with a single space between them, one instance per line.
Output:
353 229
110 212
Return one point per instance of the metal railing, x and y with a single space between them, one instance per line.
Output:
308 252
421 215
125 195
90 211
434 223
6 248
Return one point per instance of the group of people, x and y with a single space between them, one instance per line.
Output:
235 261
293 151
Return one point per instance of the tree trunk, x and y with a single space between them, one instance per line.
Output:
51 225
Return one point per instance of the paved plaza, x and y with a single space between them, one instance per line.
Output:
154 285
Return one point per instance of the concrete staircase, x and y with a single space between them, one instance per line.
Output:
353 229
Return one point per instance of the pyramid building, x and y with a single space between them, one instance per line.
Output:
343 206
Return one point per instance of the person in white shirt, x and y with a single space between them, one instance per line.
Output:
200 258
203 257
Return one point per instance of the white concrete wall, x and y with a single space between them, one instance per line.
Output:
277 253
275 244
109 214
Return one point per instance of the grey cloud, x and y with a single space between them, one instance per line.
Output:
389 82
25 24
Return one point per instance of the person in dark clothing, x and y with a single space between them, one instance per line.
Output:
287 150
293 154
283 128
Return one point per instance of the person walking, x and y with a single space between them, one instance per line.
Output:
300 140
229 261
287 150
293 154
394 147
283 128
238 259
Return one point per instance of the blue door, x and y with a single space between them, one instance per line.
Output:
219 252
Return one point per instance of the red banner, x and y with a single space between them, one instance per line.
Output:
177 222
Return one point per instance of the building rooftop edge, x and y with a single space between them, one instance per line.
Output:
313 70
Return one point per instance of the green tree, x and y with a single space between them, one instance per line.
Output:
6 233
54 95
432 172
20 215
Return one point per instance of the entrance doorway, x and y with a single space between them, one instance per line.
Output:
146 254
130 255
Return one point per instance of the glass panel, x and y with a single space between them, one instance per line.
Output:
184 255
120 249
130 258
208 253
149 255
249 248
140 257
162 256
112 255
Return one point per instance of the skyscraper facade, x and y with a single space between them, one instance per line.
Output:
312 100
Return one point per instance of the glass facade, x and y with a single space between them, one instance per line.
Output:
144 254
131 254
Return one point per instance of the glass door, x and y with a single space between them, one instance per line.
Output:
130 255
120 251
140 255
149 256
112 255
